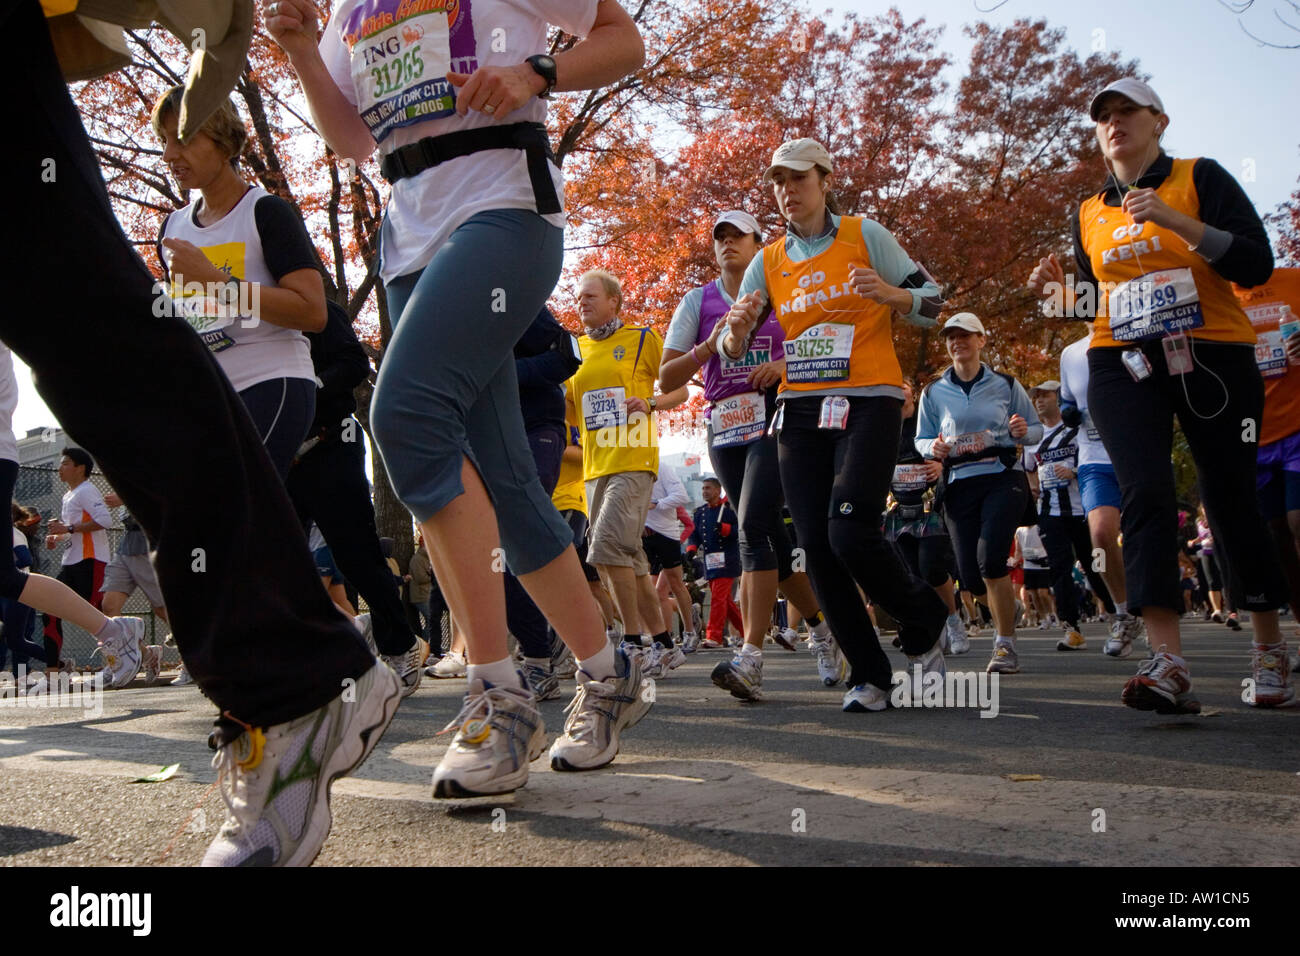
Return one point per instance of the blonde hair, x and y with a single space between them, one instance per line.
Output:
613 288
223 127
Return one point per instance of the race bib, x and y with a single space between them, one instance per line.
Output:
400 55
604 408
715 560
207 316
1047 462
971 443
909 478
1270 354
738 420
1156 304
820 354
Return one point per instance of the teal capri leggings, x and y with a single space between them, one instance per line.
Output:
447 388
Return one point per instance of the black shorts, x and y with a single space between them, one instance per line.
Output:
662 551
578 523
1038 579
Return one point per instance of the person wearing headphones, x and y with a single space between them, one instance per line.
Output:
1156 253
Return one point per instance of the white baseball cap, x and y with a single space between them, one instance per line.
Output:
799 154
966 321
1139 92
741 220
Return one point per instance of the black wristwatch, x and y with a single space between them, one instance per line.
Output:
544 66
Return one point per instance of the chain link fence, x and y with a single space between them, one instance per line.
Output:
39 488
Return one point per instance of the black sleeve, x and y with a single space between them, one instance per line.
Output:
545 354
1083 274
285 245
158 247
337 356
1225 205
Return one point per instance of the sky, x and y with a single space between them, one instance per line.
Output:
1227 97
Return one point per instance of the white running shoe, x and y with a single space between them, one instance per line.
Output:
958 642
1004 659
453 665
183 679
499 732
786 637
366 625
615 633
1163 685
563 663
543 680
1271 670
742 676
407 666
690 642
931 663
831 665
671 658
652 660
122 652
1124 630
598 714
276 781
865 698
151 658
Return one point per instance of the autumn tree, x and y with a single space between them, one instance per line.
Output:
1286 220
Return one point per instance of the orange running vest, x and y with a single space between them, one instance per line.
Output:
1119 251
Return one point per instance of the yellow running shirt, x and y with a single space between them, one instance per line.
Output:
622 366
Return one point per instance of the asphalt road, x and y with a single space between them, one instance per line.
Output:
705 779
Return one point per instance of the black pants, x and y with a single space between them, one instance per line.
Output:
751 476
282 410
141 393
1065 539
835 482
982 514
328 485
1136 421
929 558
525 620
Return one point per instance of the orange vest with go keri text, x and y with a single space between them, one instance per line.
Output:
1150 284
1263 305
834 338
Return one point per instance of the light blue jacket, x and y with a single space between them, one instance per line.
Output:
945 409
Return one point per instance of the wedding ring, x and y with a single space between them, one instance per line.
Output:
489 109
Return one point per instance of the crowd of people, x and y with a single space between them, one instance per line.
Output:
529 458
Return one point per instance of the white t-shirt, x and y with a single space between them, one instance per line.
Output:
400 69
85 503
250 351
1074 389
8 402
1032 550
668 493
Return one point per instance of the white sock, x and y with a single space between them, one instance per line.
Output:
1009 641
822 630
601 666
500 673
751 650
1121 609
110 628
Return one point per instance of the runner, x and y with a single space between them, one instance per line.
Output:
917 528
662 542
1030 554
1156 251
169 393
1099 494
611 400
970 419
1053 467
244 274
742 402
834 283
471 247
1270 308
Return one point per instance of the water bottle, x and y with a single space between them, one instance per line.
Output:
1288 325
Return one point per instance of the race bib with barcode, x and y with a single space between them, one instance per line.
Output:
1156 304
715 560
820 354
834 412
739 419
604 408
